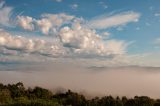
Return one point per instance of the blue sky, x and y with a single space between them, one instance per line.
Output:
125 29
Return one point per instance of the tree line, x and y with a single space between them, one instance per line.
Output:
18 95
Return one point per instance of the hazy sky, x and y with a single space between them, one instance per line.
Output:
103 46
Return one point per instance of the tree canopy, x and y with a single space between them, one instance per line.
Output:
18 95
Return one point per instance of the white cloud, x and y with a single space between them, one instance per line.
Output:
74 6
5 14
74 36
44 25
58 19
18 42
104 22
116 47
9 42
83 40
47 23
25 22
53 22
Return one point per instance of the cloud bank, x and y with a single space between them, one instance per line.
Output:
128 81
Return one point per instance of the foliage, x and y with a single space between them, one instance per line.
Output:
18 95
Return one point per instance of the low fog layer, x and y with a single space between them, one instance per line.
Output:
128 80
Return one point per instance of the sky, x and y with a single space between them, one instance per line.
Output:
84 41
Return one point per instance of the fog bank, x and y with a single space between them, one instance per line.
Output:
121 81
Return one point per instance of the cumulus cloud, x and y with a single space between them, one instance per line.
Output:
52 22
47 23
58 19
74 37
26 22
44 25
83 40
77 41
104 22
23 45
17 42
5 14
